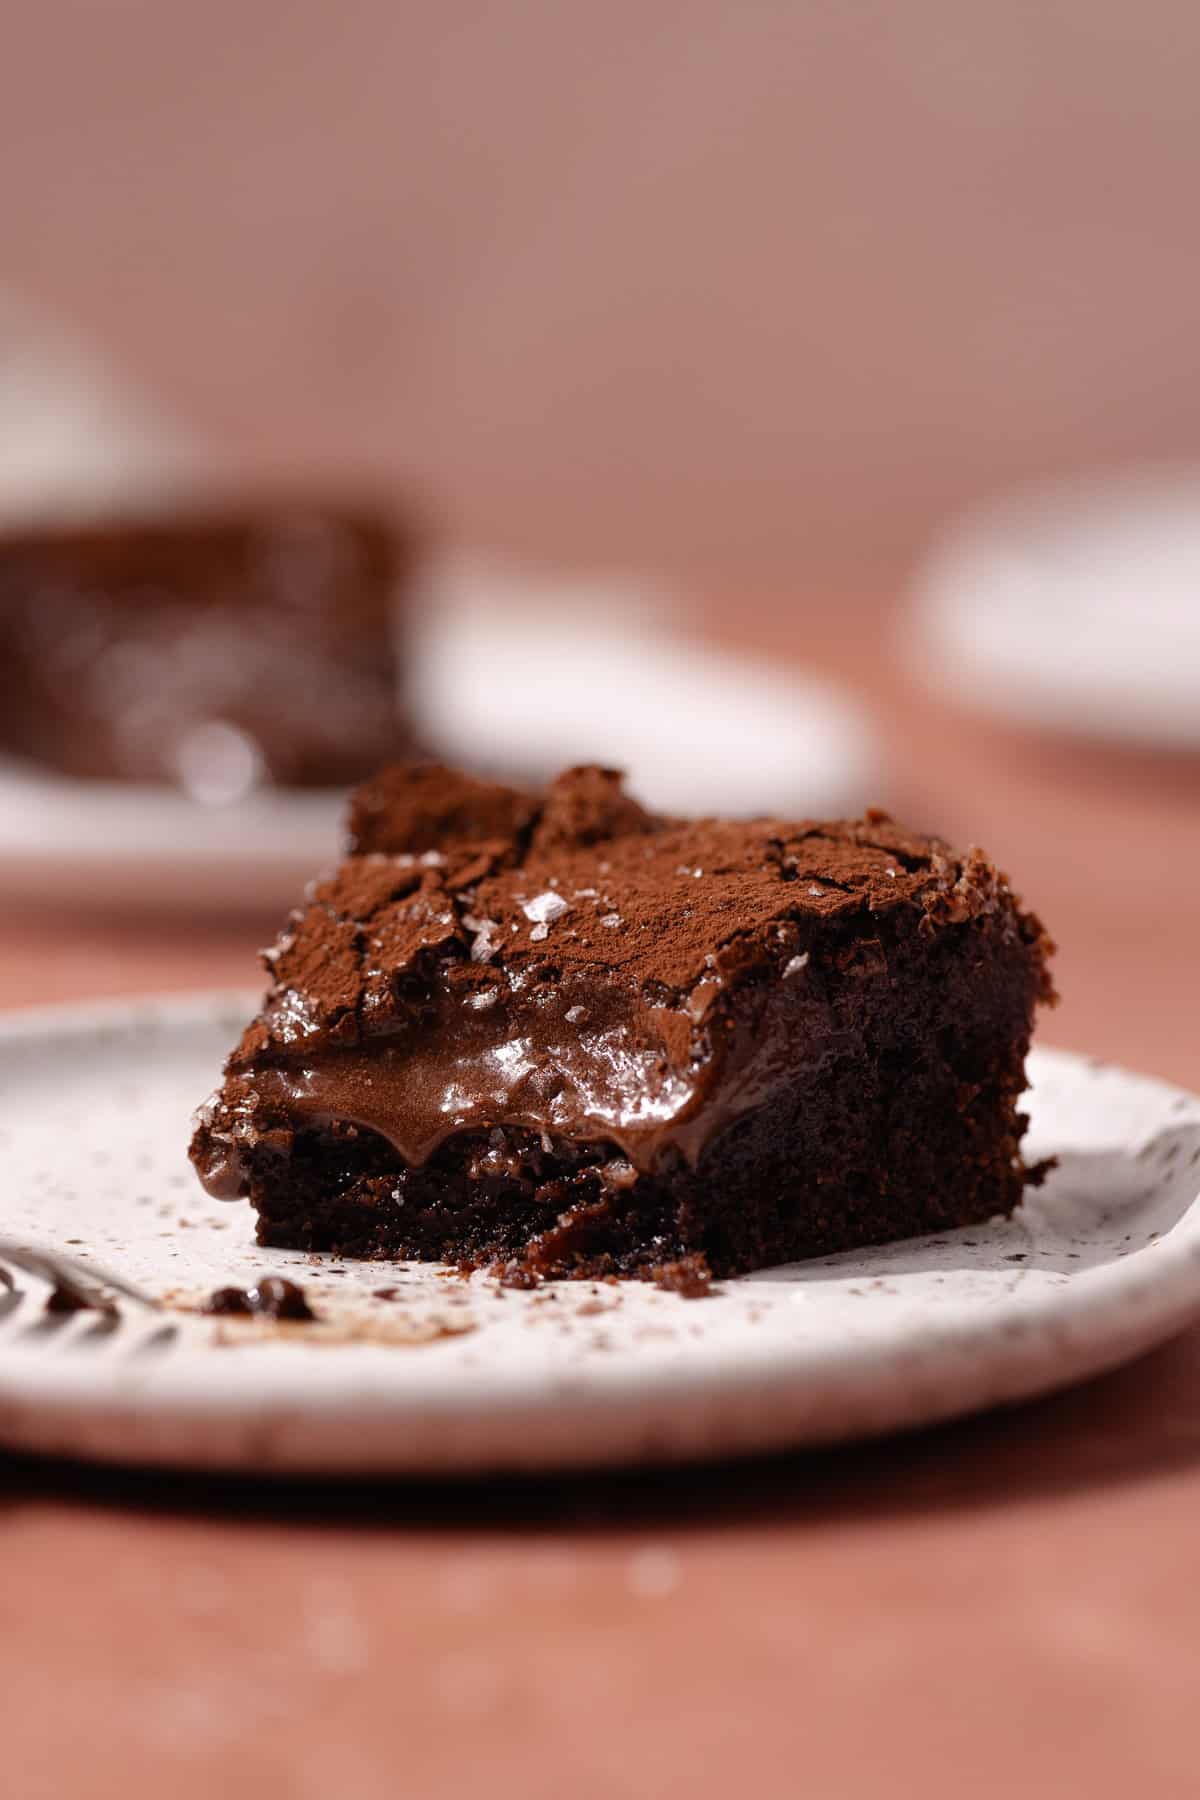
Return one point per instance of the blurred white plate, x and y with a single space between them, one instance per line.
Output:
112 844
1075 608
533 672
510 672
439 1375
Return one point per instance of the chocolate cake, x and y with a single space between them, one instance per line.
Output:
208 651
563 1036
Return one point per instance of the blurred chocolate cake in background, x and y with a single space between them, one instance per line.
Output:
212 651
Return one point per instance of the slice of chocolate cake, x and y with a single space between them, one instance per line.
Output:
210 651
560 1034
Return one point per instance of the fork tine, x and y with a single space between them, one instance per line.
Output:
72 1273
79 1311
160 1339
102 1326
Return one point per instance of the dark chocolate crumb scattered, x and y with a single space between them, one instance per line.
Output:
517 1275
272 1298
229 1302
690 1277
65 1297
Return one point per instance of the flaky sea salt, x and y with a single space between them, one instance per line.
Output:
483 944
796 964
281 948
611 920
543 909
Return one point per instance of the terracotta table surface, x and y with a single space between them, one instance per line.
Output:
1007 1605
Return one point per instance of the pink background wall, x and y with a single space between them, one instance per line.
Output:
739 285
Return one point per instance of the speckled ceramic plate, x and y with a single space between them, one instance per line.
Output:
413 1370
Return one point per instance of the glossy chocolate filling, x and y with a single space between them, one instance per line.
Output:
606 1069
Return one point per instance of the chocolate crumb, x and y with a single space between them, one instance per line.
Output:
273 1298
228 1301
65 1297
516 1275
689 1276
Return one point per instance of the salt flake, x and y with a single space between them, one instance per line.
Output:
543 909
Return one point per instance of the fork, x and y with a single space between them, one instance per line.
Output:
76 1304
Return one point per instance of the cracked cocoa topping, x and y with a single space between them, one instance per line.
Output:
561 1032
